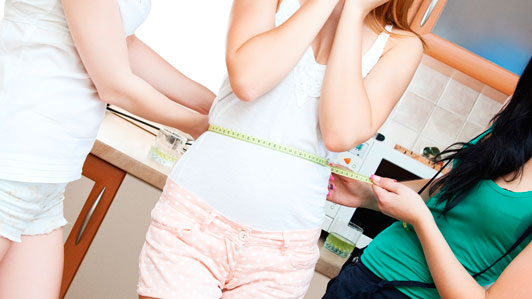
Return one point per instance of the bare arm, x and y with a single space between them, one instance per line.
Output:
352 108
151 67
453 281
96 27
356 194
451 278
259 55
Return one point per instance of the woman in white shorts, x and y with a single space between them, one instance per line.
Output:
51 82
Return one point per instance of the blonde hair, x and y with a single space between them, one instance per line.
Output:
394 12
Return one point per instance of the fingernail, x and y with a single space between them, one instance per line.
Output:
395 180
329 193
331 178
375 178
334 187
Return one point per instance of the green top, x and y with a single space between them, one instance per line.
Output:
479 230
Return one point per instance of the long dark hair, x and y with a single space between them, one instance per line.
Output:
503 151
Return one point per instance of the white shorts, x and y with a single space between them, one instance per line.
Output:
30 208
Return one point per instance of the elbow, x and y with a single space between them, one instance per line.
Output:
337 145
243 89
243 83
109 95
115 91
113 94
343 142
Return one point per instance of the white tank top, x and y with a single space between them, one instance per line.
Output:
49 109
259 187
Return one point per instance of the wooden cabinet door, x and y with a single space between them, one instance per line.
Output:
110 267
425 21
107 180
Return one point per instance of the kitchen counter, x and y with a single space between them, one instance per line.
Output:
125 144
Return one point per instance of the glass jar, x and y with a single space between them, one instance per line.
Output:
167 148
342 237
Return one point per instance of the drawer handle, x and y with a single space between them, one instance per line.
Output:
89 216
429 11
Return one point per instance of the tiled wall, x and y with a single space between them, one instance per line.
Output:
441 106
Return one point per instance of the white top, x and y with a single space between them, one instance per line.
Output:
49 109
259 187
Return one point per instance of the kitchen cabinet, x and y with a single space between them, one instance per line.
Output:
318 285
490 41
105 180
110 267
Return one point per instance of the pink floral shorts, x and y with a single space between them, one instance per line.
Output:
192 251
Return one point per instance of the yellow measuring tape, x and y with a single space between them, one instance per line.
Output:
289 150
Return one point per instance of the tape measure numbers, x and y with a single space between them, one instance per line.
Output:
289 150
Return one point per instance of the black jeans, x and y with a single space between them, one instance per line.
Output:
356 281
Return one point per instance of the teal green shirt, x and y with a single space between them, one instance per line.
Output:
479 230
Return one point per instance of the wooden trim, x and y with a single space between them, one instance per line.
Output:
459 58
471 64
104 175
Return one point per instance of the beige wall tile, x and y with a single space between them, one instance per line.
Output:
485 108
468 81
469 131
438 65
396 133
458 98
443 126
423 142
428 83
413 111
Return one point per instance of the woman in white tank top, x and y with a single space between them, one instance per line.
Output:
320 76
50 112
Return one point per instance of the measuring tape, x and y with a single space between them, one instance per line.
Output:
289 150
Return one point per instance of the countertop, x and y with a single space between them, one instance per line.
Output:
125 144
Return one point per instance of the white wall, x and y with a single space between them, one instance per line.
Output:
189 34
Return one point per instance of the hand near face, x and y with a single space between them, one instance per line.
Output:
364 6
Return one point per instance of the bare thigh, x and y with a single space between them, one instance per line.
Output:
33 268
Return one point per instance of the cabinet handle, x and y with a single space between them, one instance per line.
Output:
426 17
89 216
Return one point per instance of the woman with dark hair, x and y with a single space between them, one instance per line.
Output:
473 232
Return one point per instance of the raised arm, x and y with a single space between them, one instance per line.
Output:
96 27
451 278
259 55
352 108
151 67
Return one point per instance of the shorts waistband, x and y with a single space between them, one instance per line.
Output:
206 215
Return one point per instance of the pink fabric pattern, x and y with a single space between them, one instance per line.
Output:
192 251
